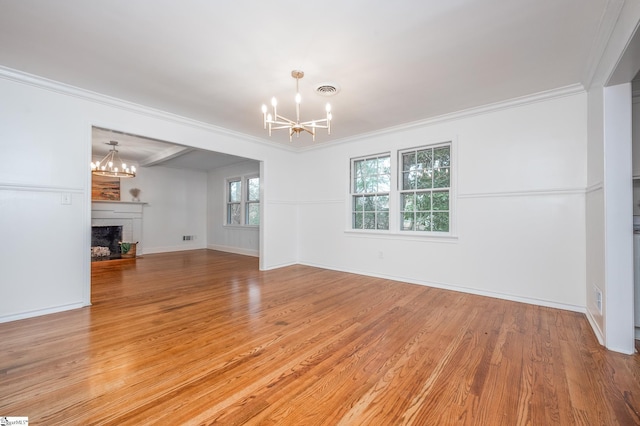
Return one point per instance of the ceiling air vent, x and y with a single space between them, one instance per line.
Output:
327 89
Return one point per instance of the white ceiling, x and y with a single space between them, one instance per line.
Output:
395 61
147 152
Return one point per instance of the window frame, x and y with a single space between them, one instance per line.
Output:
353 194
249 202
395 198
402 191
243 203
229 203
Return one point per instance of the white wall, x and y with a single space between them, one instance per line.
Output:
235 239
604 201
521 176
176 207
45 138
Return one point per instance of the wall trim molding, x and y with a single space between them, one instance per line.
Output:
40 312
38 188
234 250
560 92
524 193
598 186
452 287
594 326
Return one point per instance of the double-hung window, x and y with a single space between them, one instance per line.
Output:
425 188
370 186
234 201
243 201
252 204
412 195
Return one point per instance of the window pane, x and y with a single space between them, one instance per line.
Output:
423 201
441 200
408 180
407 222
358 203
384 183
423 221
425 179
371 167
369 220
441 222
253 214
358 220
235 191
441 178
382 203
441 157
384 165
369 203
233 214
253 185
383 221
359 185
408 202
425 159
371 184
408 161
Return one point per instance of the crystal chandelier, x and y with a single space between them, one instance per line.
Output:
273 121
112 166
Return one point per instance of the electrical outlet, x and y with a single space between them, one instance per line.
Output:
598 297
380 255
65 198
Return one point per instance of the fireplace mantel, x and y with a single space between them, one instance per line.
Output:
127 214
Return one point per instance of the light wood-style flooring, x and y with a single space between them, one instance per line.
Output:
203 337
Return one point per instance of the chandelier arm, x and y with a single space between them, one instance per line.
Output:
315 123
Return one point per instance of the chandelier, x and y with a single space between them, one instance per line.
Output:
273 121
112 166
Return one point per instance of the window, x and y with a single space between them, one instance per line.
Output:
409 192
253 201
425 182
243 201
370 186
234 204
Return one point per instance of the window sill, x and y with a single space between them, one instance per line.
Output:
243 227
404 235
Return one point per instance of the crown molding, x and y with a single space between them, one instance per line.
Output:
87 95
607 24
560 92
68 90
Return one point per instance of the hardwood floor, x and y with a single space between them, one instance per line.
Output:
203 337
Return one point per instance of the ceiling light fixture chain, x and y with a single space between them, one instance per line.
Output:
112 166
273 121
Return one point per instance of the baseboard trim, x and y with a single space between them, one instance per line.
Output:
595 328
235 250
40 312
468 290
155 250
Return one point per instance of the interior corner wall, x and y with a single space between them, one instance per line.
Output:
600 204
46 145
594 212
235 239
521 177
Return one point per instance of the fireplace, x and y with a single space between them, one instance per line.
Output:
105 242
123 214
